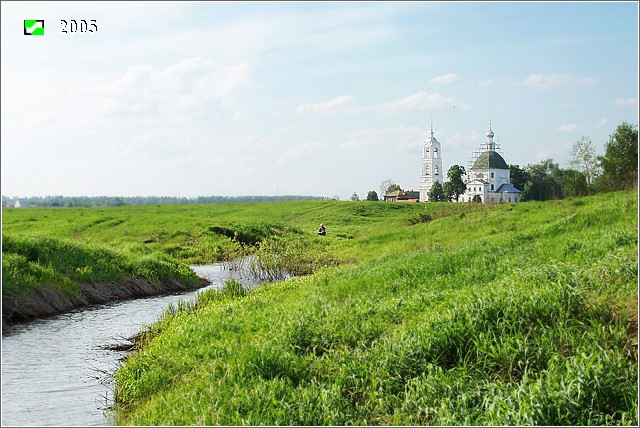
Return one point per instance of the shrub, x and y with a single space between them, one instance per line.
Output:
232 288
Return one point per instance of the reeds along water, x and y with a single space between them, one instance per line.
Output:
279 258
263 268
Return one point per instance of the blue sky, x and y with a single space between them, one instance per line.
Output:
308 98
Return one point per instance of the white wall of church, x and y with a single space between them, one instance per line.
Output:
431 167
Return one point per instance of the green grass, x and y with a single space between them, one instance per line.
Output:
465 315
205 233
35 261
59 249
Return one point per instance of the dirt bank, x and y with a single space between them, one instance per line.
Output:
46 301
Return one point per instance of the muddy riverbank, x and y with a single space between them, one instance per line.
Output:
44 302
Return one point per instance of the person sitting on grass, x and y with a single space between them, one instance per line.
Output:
321 230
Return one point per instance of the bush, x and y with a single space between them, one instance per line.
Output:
423 217
232 288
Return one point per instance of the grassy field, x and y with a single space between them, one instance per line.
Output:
437 314
56 259
205 233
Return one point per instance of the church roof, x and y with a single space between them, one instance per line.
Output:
431 140
490 160
476 181
507 188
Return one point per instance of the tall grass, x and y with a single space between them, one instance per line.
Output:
509 315
35 261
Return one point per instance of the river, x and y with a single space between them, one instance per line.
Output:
54 370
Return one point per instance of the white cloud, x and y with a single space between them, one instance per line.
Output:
463 140
399 137
343 102
163 143
298 152
629 102
189 156
541 81
601 123
444 79
569 127
177 91
424 101
486 83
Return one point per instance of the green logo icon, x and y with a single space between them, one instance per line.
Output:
34 27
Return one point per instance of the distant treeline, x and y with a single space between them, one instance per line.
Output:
116 201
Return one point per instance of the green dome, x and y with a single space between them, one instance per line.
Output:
490 160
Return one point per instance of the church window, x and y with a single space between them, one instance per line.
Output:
492 175
427 154
435 153
492 187
435 168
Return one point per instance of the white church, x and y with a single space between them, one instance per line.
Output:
431 166
488 178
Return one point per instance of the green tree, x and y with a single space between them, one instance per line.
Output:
518 177
544 183
355 197
620 161
386 185
436 193
448 191
116 202
393 188
372 196
574 183
455 186
584 159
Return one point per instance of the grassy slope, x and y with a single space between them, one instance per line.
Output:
187 232
54 260
511 315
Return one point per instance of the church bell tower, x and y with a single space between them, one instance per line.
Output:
431 165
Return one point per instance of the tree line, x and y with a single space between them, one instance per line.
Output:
587 173
116 201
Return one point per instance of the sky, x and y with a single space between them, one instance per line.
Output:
301 98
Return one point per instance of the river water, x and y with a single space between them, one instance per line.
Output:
54 370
